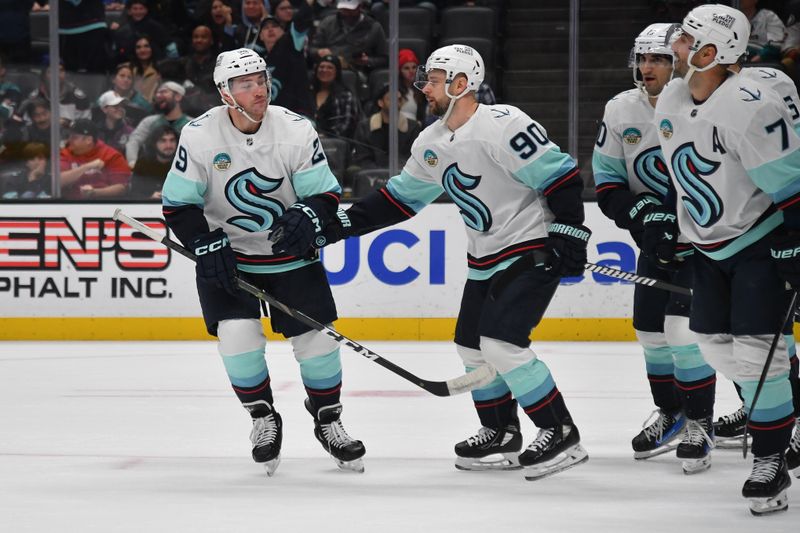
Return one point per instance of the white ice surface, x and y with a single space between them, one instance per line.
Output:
148 437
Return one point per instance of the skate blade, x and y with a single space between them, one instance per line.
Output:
765 506
356 465
271 466
661 450
498 462
695 466
567 459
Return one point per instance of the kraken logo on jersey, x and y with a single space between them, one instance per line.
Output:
651 170
474 212
702 202
246 192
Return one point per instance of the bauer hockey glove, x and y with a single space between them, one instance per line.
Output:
660 236
337 229
296 230
216 262
566 244
785 250
639 207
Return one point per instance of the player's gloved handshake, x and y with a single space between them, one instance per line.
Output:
216 262
641 205
660 235
566 244
295 231
785 249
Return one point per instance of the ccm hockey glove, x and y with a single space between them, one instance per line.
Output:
337 229
785 249
216 262
566 244
295 231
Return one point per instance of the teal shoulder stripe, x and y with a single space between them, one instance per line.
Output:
752 235
543 172
775 175
315 180
412 191
181 191
608 169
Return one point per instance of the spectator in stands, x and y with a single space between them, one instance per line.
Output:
83 35
136 106
33 179
38 131
113 128
90 169
296 18
169 111
138 22
358 40
73 102
219 17
372 134
336 109
287 67
247 34
10 94
415 105
283 10
201 93
151 169
146 77
767 33
15 30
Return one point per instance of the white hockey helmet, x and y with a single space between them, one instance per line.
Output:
454 59
654 39
724 27
235 63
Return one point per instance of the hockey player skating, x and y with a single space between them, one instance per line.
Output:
518 194
631 178
242 169
734 160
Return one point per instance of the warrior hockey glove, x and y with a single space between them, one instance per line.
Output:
337 229
295 231
641 205
660 236
566 244
785 249
216 262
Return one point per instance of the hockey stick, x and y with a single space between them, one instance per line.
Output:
765 370
477 378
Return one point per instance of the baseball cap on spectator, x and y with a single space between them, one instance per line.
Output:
110 98
348 4
406 55
174 87
84 127
269 18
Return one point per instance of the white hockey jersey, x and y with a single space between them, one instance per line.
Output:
496 168
731 159
779 82
243 182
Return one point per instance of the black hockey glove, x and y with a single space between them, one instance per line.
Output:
566 244
785 249
216 262
660 236
296 230
337 229
641 205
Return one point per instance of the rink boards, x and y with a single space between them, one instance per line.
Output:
68 271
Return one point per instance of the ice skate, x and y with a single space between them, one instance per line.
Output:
660 436
695 448
266 435
553 450
490 449
345 451
793 452
767 484
728 430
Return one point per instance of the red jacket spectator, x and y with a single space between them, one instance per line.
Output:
90 168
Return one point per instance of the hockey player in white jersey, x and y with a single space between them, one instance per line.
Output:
631 177
520 198
241 170
734 160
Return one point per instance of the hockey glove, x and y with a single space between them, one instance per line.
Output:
295 231
785 250
216 262
566 244
660 236
337 229
641 205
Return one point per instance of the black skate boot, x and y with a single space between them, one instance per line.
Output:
767 484
793 452
696 446
553 450
660 436
728 429
266 436
480 452
345 451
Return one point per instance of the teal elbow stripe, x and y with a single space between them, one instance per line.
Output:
272 269
495 389
529 382
546 170
753 235
658 356
601 178
608 169
324 383
775 175
412 191
315 180
181 191
323 367
246 369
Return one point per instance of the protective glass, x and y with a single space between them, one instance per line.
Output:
249 83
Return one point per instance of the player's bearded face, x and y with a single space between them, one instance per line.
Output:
681 48
251 92
434 91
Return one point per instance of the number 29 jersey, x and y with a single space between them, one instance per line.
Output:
734 160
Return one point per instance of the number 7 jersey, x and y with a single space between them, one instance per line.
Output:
734 161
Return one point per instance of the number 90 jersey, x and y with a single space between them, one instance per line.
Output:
243 182
734 160
497 168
